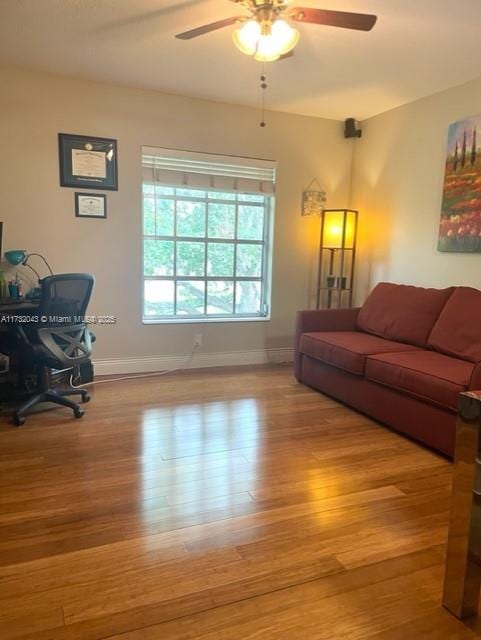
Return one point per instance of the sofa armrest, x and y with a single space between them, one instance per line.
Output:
321 320
475 382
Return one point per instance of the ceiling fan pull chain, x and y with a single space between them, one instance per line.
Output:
263 87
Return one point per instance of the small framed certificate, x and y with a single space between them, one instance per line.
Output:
90 205
87 161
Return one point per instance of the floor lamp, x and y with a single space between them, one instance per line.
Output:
337 253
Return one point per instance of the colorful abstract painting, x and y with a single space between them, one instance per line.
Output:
460 228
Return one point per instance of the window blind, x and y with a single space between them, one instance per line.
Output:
201 170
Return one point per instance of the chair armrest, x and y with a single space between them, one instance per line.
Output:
475 382
321 320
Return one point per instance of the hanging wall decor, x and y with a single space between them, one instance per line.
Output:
460 228
88 162
313 199
90 205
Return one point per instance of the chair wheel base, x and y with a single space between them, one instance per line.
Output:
85 397
18 421
78 413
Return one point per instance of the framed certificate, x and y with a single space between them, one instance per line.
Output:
87 161
90 205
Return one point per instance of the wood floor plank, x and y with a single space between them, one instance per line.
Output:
228 504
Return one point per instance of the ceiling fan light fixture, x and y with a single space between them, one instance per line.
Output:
266 50
266 41
284 36
246 37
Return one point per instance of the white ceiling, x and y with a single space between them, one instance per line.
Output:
418 47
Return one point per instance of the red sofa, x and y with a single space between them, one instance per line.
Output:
403 358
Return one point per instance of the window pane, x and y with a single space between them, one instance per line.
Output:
249 260
148 188
190 193
149 217
158 298
248 297
191 219
251 197
219 195
190 258
158 257
220 297
221 220
163 191
220 259
250 223
190 297
165 217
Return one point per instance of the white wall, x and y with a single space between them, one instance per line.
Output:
397 185
39 216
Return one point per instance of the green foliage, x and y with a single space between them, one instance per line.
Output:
158 257
164 218
249 260
250 225
158 217
221 221
149 216
220 260
190 258
191 219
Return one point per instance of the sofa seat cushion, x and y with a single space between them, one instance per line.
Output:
458 329
427 375
402 312
347 349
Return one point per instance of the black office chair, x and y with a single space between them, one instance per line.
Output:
60 340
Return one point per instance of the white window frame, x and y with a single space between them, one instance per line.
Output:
266 270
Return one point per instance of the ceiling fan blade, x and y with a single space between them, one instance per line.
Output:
343 19
207 28
284 56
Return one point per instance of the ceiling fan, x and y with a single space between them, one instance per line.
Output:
266 35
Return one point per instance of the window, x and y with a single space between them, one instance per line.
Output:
207 250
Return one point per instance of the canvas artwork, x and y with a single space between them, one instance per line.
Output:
460 229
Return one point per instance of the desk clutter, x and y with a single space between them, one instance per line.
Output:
12 289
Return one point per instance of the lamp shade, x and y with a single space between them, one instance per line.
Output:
246 37
16 256
339 229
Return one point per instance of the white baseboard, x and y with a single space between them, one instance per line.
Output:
147 364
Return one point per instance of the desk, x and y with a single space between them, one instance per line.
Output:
9 306
12 312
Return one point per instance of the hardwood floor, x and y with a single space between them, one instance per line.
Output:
220 505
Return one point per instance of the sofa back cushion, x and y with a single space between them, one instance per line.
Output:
457 331
402 312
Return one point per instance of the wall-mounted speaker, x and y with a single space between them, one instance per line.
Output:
352 128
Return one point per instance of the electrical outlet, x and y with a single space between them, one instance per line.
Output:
198 340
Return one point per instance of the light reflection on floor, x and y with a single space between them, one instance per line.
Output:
196 452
